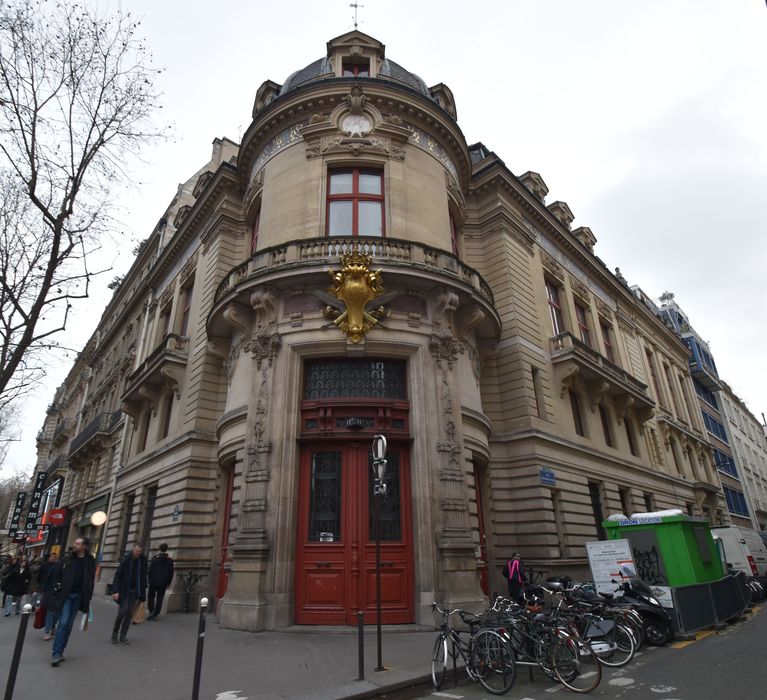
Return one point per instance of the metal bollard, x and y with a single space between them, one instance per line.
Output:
360 645
17 651
200 642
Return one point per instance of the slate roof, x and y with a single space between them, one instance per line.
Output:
321 68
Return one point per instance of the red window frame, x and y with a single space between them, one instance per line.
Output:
607 340
583 323
359 69
254 232
555 308
355 197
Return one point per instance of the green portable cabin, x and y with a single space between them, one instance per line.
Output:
673 550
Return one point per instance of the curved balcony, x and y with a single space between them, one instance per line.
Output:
385 251
572 359
409 262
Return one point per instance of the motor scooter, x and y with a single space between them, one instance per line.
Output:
658 629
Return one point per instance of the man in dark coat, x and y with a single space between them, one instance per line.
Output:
17 586
160 577
73 580
128 588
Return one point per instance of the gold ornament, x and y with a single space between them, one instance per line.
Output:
356 286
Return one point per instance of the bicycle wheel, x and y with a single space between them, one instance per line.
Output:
492 661
576 666
439 661
543 647
621 647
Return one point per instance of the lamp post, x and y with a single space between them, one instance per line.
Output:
379 490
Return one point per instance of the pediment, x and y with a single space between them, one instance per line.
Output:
355 38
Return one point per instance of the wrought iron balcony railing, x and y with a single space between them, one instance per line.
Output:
101 426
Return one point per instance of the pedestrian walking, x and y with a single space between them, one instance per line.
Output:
35 567
160 577
47 583
514 573
73 581
128 588
17 586
8 566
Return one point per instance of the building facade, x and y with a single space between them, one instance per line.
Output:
354 267
749 448
708 390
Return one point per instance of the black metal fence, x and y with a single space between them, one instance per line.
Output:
706 604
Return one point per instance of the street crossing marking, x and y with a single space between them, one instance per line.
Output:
441 694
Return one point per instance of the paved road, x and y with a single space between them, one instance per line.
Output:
729 665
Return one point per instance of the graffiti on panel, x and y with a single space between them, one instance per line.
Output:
648 565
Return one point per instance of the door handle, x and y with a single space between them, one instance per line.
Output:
321 564
387 563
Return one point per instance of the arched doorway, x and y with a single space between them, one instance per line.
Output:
345 403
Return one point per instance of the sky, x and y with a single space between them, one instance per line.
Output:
648 118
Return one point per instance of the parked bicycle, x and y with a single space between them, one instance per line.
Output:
486 655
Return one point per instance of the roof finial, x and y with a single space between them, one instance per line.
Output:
356 7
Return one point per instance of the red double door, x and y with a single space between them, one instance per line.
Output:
335 553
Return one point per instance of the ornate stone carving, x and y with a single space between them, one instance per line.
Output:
445 347
166 296
264 347
188 268
234 316
394 119
552 266
579 288
355 286
444 311
356 100
263 301
603 309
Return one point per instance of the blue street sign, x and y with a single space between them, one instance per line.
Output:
548 477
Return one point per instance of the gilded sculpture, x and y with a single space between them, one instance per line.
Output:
355 286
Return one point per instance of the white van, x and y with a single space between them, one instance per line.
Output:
744 550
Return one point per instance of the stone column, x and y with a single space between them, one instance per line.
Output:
457 579
244 604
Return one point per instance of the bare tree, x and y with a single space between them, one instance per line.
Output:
76 99
8 433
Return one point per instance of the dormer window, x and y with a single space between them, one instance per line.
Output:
356 68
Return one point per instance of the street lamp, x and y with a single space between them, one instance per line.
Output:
379 490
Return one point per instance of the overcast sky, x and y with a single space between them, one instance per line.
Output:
648 118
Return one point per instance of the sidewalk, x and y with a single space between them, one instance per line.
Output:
159 663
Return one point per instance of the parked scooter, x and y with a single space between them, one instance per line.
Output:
657 622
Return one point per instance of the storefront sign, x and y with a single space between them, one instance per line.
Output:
610 561
13 530
55 517
34 501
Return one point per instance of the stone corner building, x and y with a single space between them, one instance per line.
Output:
227 400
